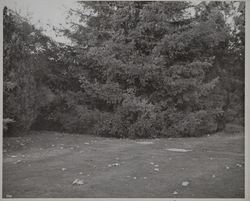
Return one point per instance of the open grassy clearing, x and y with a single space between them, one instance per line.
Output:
44 165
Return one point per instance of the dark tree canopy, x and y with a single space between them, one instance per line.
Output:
135 69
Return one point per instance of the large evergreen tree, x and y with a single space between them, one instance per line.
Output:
134 69
159 54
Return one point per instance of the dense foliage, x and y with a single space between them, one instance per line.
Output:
135 69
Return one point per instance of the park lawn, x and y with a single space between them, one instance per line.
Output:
44 165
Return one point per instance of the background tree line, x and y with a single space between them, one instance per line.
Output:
134 69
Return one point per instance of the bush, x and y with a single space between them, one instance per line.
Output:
112 126
144 128
78 120
192 124
129 119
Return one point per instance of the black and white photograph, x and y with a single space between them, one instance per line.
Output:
123 99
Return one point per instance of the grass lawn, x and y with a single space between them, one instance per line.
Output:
44 165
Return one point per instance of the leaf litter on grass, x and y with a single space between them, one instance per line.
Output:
78 182
114 165
145 142
185 183
179 150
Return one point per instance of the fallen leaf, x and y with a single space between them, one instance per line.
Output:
18 161
178 150
145 143
238 165
113 165
78 182
185 183
8 196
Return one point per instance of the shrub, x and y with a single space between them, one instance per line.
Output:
112 126
78 119
192 124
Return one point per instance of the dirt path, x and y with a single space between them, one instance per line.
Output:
45 165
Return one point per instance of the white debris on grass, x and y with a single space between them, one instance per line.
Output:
134 177
157 169
227 167
86 143
145 142
213 176
152 163
13 156
8 196
238 165
175 193
63 169
144 177
78 182
156 165
179 150
113 164
185 183
18 161
80 173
